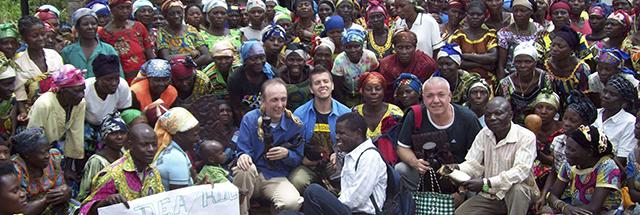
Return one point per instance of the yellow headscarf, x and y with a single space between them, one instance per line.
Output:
175 120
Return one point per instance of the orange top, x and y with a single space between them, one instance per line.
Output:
141 89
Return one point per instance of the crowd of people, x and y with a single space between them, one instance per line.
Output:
302 104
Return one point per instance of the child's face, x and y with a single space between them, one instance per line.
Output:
213 154
5 152
219 157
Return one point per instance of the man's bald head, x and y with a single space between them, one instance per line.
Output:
435 82
499 103
142 130
142 143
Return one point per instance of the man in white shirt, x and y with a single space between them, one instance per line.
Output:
363 174
423 24
616 123
499 163
107 92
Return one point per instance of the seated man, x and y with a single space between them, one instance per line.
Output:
363 173
269 147
130 177
499 163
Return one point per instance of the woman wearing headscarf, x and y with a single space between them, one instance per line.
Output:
130 38
406 59
523 86
178 132
614 118
61 113
347 9
143 12
82 53
379 36
546 107
9 40
348 65
598 14
449 59
456 14
224 56
101 8
215 13
40 173
478 95
373 108
323 53
295 74
36 63
152 85
49 14
8 109
590 174
305 26
610 63
256 9
274 37
190 83
113 135
407 90
520 31
245 81
478 43
617 28
559 15
326 8
580 111
566 71
179 39
333 29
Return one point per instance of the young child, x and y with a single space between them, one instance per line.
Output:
212 152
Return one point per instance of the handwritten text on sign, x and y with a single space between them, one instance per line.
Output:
223 199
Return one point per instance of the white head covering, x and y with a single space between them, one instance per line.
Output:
51 8
326 42
213 4
256 3
139 4
452 51
526 48
9 72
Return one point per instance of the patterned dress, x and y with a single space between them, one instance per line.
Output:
130 45
201 86
543 45
582 183
37 188
578 80
6 117
185 44
343 67
123 178
482 45
218 83
521 103
508 39
381 51
392 110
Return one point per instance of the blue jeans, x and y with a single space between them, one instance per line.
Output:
319 201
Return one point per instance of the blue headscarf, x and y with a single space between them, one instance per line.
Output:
408 79
82 12
101 7
616 57
273 30
331 23
252 48
156 68
353 35
452 51
112 123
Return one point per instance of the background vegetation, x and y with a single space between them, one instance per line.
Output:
10 9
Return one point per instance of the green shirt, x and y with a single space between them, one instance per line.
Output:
73 54
215 174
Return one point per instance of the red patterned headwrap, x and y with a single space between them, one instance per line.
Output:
370 77
558 5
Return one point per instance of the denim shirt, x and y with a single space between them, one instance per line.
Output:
286 131
307 114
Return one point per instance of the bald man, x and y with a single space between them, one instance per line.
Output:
134 166
451 126
499 163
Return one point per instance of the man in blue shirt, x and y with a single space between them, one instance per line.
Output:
263 171
319 131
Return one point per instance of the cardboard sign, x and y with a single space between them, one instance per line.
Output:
223 198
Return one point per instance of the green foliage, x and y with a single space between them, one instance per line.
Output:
10 9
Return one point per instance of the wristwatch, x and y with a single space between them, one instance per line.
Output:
485 186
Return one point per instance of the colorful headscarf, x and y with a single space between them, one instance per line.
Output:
297 48
171 3
252 48
223 48
182 67
113 3
8 30
177 119
67 76
547 97
375 6
405 35
273 30
281 16
592 139
353 36
570 36
45 14
101 7
460 4
213 4
451 50
130 114
623 18
627 91
410 80
111 123
139 4
583 106
326 42
526 48
484 85
332 23
617 57
558 5
82 12
158 68
256 4
370 77
28 140
600 9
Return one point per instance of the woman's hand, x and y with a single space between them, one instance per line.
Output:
538 204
